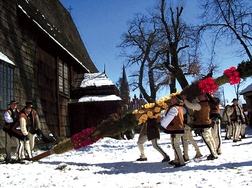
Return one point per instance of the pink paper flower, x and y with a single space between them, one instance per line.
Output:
82 138
207 85
233 75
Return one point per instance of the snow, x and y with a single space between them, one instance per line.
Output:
95 79
99 98
112 163
6 59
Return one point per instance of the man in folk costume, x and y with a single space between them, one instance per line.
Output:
33 130
214 103
237 119
173 122
10 116
24 122
187 136
226 121
244 124
34 124
203 122
150 131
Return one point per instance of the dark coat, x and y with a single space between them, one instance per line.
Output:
152 129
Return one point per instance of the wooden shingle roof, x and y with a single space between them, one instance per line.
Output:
52 18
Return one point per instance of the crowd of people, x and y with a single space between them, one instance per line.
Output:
180 119
202 115
21 127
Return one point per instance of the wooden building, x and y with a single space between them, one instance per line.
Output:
247 95
94 98
42 58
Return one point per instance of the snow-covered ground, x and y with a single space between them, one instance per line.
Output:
112 163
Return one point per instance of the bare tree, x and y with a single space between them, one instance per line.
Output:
158 42
231 20
142 36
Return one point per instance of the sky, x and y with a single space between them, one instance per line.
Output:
101 24
112 163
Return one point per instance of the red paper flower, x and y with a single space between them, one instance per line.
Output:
233 75
207 86
82 138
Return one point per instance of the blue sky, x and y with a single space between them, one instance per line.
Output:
101 24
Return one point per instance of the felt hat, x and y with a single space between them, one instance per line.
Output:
13 101
29 103
28 106
235 99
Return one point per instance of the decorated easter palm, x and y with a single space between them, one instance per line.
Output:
115 124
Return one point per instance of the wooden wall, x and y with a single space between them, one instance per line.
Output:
91 114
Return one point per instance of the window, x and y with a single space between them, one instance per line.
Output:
63 78
6 84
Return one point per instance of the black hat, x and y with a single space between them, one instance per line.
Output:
235 99
28 106
178 97
29 102
13 101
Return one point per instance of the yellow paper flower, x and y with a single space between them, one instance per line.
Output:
140 121
149 105
135 111
160 102
150 114
165 106
174 94
153 110
141 111
144 117
157 109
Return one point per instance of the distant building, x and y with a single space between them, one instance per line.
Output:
125 91
136 103
247 95
94 98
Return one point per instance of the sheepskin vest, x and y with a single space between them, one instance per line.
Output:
177 124
201 117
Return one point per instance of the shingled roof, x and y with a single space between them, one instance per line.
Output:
52 18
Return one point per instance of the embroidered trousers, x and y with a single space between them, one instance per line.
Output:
187 136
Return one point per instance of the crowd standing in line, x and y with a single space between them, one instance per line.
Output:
202 114
21 126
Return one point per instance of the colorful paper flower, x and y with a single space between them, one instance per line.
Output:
82 138
207 85
233 75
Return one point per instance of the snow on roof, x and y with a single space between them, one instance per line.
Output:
247 89
99 98
6 59
95 79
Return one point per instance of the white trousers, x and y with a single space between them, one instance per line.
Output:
187 136
209 141
216 133
175 141
140 143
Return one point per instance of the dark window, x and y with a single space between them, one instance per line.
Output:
63 78
6 84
